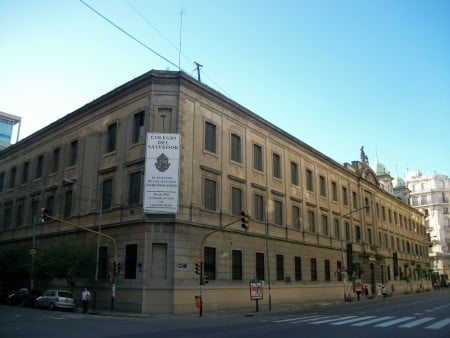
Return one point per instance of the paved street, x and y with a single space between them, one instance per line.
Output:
418 315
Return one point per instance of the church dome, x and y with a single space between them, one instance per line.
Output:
379 168
399 183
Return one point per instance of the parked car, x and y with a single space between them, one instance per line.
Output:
24 297
56 299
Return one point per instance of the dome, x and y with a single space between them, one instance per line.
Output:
399 183
379 168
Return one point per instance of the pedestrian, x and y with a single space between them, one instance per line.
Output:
383 291
366 292
85 296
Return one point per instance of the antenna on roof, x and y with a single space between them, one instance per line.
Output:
179 50
198 70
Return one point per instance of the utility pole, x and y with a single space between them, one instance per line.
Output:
198 70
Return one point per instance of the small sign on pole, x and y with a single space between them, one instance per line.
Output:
256 291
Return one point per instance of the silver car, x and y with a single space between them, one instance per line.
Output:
56 299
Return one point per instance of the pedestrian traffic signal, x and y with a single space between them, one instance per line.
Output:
204 280
244 220
43 216
198 268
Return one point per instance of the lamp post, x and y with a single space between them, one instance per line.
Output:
99 227
342 245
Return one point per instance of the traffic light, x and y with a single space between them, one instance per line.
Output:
198 268
43 216
204 279
244 220
117 268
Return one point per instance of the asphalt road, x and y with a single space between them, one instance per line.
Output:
418 315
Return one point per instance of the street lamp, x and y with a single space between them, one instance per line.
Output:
342 246
65 180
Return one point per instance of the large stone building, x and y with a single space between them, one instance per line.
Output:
309 214
431 195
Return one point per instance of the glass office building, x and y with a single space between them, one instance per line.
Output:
7 123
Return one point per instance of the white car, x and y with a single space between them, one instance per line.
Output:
56 299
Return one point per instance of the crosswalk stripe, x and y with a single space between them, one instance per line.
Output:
394 321
371 321
296 318
310 320
439 324
352 320
417 322
331 320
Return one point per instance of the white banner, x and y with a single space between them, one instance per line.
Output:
162 160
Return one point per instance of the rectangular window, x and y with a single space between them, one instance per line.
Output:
309 180
280 267
276 166
366 201
39 166
325 225
258 213
313 269
278 212
103 262
236 201
51 205
210 263
134 189
55 160
73 153
159 260
311 221
111 138
236 265
130 261
296 217
210 137
323 186
339 270
347 231
68 204
34 211
337 228
257 157
294 173
259 266
369 236
2 181
20 208
25 169
12 178
298 267
236 148
210 194
334 191
327 270
357 233
355 200
138 126
107 194
344 196
7 215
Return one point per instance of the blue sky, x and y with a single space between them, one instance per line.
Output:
337 74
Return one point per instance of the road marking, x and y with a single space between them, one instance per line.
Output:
371 321
417 322
352 320
331 320
439 324
311 319
394 321
296 318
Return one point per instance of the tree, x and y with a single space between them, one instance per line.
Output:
15 265
69 260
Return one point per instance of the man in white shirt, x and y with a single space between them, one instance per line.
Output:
85 296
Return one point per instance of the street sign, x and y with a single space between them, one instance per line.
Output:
256 289
33 251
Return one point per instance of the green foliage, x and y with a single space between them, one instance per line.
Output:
15 262
67 260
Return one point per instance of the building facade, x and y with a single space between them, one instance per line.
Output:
431 194
312 218
7 123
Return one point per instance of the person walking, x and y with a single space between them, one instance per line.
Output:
383 292
85 296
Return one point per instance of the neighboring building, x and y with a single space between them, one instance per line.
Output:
431 194
7 123
230 160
